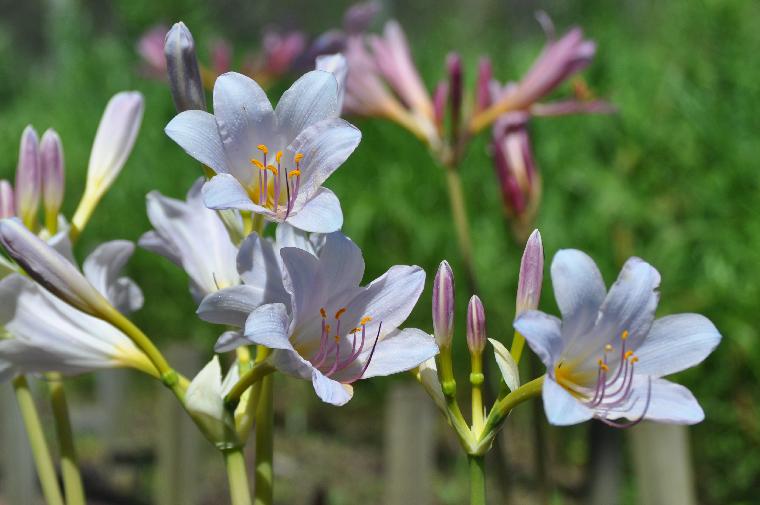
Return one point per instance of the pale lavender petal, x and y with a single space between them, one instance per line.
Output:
229 341
103 267
268 326
259 265
669 403
325 146
330 391
543 334
342 264
561 408
676 343
337 65
223 191
399 351
311 99
321 214
196 132
579 290
231 305
304 282
245 120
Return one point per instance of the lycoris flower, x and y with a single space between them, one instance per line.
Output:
194 238
334 332
271 162
42 333
607 356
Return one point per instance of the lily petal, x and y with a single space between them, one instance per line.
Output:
676 343
400 351
259 267
224 191
342 264
304 282
229 341
543 334
196 132
330 391
245 119
507 365
268 325
579 290
560 406
231 305
102 268
669 403
321 214
310 99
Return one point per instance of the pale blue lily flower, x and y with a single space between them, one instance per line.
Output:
194 238
333 332
606 358
271 161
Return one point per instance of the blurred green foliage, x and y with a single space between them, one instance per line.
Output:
671 178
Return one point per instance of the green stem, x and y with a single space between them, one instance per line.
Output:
449 389
264 480
461 226
234 461
518 344
260 370
72 479
45 469
477 480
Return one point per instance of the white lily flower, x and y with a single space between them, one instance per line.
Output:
606 358
271 161
42 333
338 66
194 238
334 332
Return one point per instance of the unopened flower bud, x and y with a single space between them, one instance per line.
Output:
483 85
443 305
28 178
359 16
182 69
51 269
531 275
454 68
440 98
476 326
53 183
7 203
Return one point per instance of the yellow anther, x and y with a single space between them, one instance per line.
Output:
278 156
272 169
327 328
603 366
624 335
607 348
365 320
323 313
634 359
337 339
258 164
628 354
293 173
298 157
356 330
340 312
262 148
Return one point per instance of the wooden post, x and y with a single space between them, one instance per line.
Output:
17 478
179 442
409 446
662 464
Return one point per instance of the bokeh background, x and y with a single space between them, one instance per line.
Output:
672 177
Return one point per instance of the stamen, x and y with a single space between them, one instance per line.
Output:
259 164
272 169
262 148
624 335
369 358
323 312
337 357
278 156
298 157
340 312
636 421
294 173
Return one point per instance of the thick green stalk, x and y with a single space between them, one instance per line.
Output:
72 479
518 344
234 461
264 479
477 480
44 463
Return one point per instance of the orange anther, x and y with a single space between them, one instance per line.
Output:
262 148
293 173
624 335
365 320
272 169
323 313
628 354
278 156
298 157
340 312
258 164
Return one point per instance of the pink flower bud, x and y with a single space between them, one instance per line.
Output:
531 275
454 69
440 98
483 85
28 178
53 183
514 164
182 69
7 204
476 326
443 305
359 16
151 49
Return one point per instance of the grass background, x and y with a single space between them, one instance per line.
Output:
671 178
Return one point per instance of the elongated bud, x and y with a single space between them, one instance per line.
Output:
443 305
359 16
531 275
28 178
53 183
7 203
440 98
182 69
483 85
454 67
476 326
50 269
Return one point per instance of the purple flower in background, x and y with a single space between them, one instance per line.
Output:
151 48
606 358
271 161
